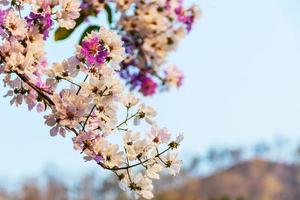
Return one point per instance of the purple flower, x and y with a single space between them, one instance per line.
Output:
148 86
43 22
128 44
98 158
94 51
2 17
188 19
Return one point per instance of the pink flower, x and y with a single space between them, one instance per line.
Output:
158 136
94 51
148 86
173 76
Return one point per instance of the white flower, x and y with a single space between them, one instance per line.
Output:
141 186
110 153
176 143
15 25
174 76
158 136
20 63
129 100
69 12
130 138
66 69
179 138
35 45
145 112
114 43
123 5
153 171
172 163
103 86
141 149
70 109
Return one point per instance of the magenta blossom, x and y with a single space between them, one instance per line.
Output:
2 17
94 51
148 86
185 17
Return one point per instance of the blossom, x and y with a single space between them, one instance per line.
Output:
114 44
94 50
19 63
110 153
130 139
70 108
124 5
15 25
67 69
145 112
83 95
130 100
173 76
154 170
44 23
140 185
82 139
150 33
102 47
50 120
177 142
172 163
69 12
94 5
2 17
148 86
158 136
101 87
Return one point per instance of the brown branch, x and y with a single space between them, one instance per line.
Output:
35 88
134 165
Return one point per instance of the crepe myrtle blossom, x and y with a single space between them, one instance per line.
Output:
69 12
172 163
150 31
140 185
2 17
173 76
158 136
44 22
130 100
83 95
145 112
15 25
101 47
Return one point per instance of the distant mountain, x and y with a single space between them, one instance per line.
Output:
250 180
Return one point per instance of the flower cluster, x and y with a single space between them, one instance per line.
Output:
150 30
82 94
150 33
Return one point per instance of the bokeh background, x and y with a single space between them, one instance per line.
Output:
242 90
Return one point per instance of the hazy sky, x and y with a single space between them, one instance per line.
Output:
242 66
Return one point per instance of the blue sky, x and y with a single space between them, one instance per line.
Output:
242 67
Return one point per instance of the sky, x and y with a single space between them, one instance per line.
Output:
242 69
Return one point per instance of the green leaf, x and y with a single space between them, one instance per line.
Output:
63 33
88 30
109 13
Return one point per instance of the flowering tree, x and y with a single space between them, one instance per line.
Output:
149 29
82 94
